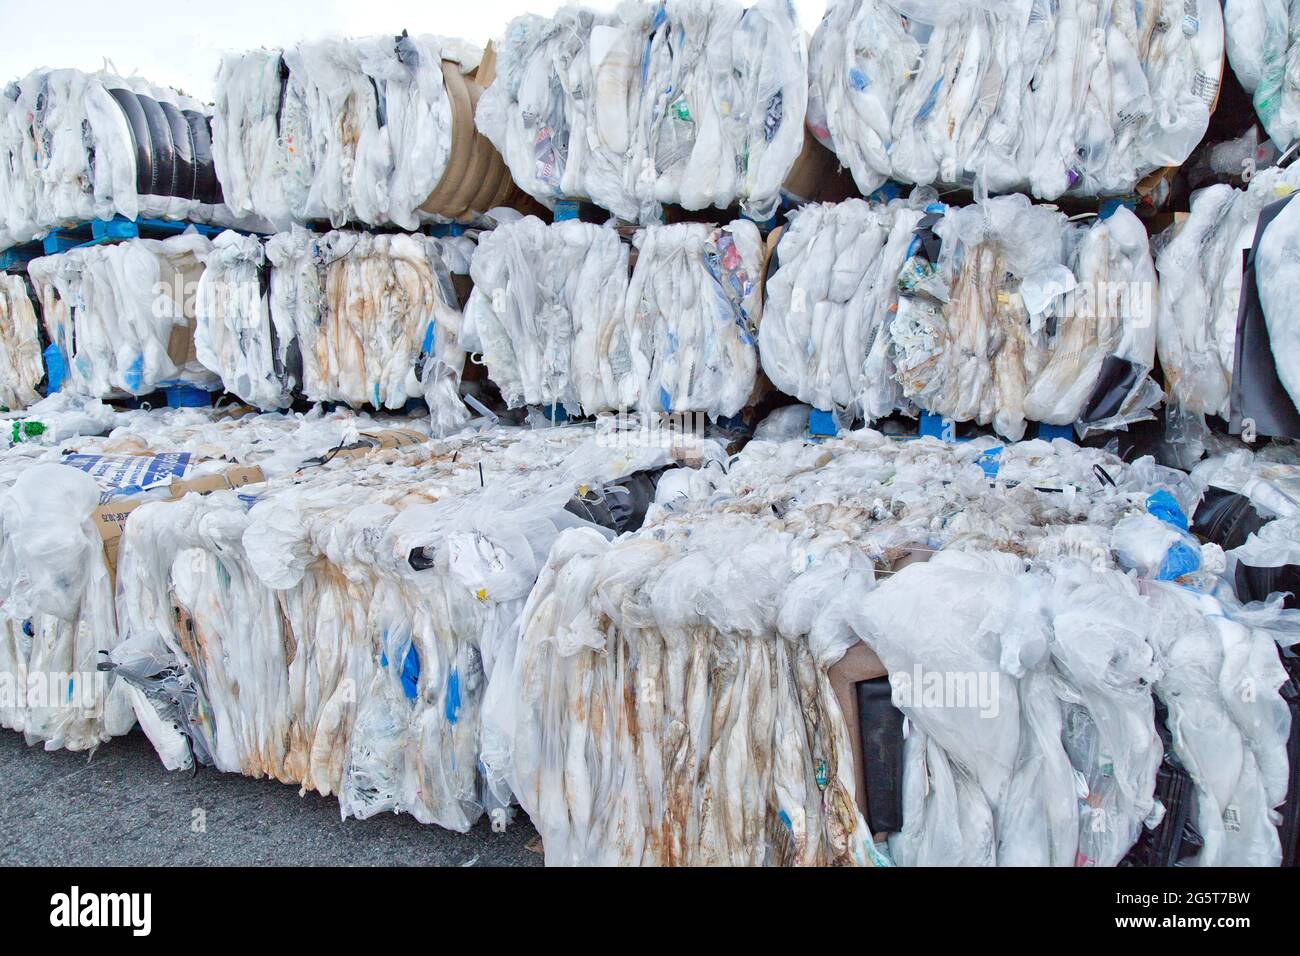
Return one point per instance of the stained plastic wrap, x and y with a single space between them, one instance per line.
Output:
122 316
694 102
1083 97
343 628
22 369
374 318
1018 314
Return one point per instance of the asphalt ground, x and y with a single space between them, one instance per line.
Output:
120 807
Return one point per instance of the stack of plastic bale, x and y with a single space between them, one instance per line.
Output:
558 322
122 315
997 313
1085 97
694 102
1200 266
79 146
671 700
377 131
22 369
1261 39
60 513
345 632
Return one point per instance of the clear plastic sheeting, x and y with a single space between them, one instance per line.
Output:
546 314
78 146
57 611
828 305
345 628
373 317
1017 315
22 368
558 321
1023 657
344 131
122 316
1084 97
694 102
1261 41
1200 266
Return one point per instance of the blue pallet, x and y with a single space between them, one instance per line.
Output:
555 414
1049 432
186 396
447 230
119 228
16 259
567 209
821 424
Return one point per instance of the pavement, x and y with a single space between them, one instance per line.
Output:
120 807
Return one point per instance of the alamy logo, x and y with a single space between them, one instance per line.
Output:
934 690
77 909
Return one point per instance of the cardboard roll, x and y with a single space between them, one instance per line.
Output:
476 178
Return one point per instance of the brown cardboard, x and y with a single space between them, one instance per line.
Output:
110 518
860 664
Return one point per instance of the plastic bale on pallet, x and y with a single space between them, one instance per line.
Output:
671 687
1000 312
694 102
375 131
122 316
546 314
80 146
61 511
1084 98
374 317
558 321
344 633
22 369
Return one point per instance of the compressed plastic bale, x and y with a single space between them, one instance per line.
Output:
828 303
1111 312
57 503
692 311
546 314
233 334
695 102
374 316
79 146
1200 269
22 367
1023 316
371 602
1085 97
122 316
345 131
1051 760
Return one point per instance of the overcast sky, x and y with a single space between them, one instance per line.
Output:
178 42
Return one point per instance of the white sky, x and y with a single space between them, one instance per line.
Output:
178 42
